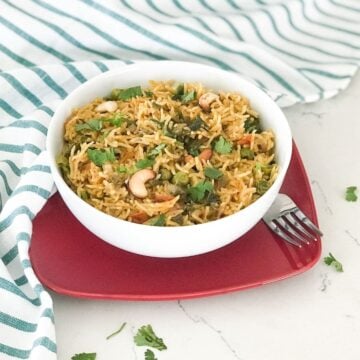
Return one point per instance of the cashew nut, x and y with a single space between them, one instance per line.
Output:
206 100
138 180
107 106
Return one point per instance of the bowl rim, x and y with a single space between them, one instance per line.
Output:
128 68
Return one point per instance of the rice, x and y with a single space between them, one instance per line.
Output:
205 160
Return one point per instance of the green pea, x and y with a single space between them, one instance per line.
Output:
180 178
165 174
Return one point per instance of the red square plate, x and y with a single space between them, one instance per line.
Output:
70 260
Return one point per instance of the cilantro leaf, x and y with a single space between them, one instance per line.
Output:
84 195
223 146
148 93
197 124
179 92
262 186
350 194
188 96
211 198
101 156
149 355
93 124
122 169
192 146
117 331
252 125
157 221
212 173
330 260
197 193
126 94
184 97
117 120
145 163
97 124
63 163
146 337
156 150
265 168
84 356
247 153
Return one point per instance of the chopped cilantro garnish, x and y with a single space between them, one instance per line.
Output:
148 93
156 150
84 356
93 124
330 260
101 156
84 195
350 194
179 91
265 168
126 94
102 137
145 163
192 146
117 120
252 125
198 192
122 169
212 173
197 124
63 163
184 97
188 96
150 159
157 221
97 124
117 331
262 186
149 355
145 336
223 146
211 198
247 153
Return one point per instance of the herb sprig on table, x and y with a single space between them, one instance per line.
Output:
145 336
331 261
117 331
350 194
84 356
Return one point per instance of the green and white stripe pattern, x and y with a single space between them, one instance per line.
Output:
297 50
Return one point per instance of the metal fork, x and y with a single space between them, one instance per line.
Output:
290 223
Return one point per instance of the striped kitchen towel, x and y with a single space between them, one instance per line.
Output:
296 50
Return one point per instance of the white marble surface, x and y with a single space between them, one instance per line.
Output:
312 316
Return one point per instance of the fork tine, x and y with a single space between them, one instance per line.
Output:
289 229
294 222
274 227
307 221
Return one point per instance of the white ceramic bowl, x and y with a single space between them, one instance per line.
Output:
170 241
